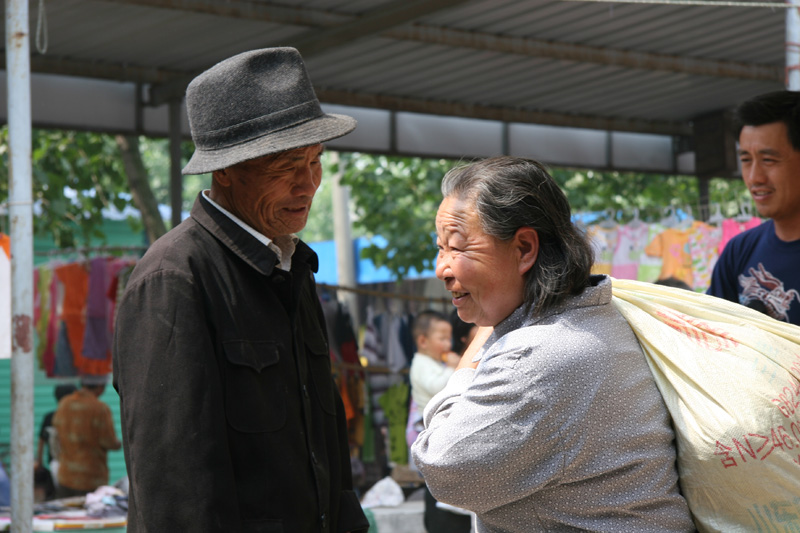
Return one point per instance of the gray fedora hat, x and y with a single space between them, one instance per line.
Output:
254 104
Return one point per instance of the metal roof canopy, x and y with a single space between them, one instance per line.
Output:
585 84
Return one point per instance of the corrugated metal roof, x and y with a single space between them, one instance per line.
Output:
636 67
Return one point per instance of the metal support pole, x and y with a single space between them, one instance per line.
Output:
176 178
21 218
345 254
793 46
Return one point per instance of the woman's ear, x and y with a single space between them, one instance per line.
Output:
527 241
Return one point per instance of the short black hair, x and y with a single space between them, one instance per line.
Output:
424 320
674 282
778 106
64 389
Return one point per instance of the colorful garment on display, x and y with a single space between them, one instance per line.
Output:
74 313
703 242
672 245
5 296
604 241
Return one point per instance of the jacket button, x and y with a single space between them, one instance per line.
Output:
323 520
305 391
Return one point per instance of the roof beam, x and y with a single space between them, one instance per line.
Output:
317 41
503 114
245 9
333 30
382 18
587 54
91 69
342 29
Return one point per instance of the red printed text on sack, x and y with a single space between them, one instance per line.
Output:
698 330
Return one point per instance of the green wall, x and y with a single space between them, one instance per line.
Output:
44 401
117 233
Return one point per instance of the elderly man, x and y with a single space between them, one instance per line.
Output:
231 421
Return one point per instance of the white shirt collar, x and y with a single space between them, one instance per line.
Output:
283 247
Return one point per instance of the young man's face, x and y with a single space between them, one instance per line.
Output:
273 194
771 171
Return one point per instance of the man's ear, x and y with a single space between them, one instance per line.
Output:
527 242
221 177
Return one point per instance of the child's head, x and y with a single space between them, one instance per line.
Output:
432 333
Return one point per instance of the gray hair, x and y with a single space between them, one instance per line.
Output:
509 193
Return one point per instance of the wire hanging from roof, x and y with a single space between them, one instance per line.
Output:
41 29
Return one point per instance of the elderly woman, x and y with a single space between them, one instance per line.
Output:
556 424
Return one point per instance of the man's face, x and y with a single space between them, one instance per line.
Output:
272 194
771 171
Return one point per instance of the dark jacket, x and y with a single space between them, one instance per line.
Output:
230 417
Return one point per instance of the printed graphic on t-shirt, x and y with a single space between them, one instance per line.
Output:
761 286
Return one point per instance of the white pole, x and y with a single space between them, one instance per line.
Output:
21 217
342 234
793 46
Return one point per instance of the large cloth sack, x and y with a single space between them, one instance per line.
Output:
730 377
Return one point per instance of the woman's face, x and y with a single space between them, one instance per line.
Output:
483 273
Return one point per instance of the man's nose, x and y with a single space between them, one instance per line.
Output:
753 173
305 180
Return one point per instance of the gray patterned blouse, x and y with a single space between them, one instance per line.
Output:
560 428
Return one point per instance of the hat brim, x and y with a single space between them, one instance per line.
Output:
318 130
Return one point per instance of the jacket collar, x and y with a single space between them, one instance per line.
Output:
244 245
598 292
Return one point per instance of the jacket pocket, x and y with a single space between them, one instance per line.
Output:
319 359
254 391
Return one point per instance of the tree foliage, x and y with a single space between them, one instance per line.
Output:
75 176
78 174
397 198
156 158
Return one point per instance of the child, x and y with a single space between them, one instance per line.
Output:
434 362
432 365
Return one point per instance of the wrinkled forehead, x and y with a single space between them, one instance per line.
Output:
456 215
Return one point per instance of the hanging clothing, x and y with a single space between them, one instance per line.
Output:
732 227
75 279
97 336
672 245
5 296
628 250
703 242
604 241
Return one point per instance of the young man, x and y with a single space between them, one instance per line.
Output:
85 432
230 417
759 268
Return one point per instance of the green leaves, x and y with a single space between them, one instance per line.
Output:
396 198
75 176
